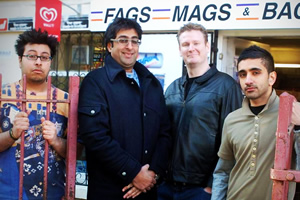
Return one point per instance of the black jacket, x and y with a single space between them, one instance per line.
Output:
197 123
123 127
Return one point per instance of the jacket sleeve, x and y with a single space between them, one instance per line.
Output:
232 100
160 157
221 177
94 129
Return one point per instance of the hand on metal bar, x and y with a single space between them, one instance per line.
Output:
50 134
296 113
49 131
20 124
296 121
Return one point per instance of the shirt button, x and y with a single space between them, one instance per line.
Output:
253 156
256 125
145 114
256 118
132 83
252 164
254 148
123 173
255 140
92 112
146 151
255 133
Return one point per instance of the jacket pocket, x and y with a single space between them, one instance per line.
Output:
89 118
89 110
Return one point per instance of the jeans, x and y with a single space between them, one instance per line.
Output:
167 191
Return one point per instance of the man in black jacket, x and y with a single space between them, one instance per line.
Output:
197 104
123 121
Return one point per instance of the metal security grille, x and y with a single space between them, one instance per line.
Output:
282 173
78 54
72 102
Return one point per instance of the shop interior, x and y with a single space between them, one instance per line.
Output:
286 53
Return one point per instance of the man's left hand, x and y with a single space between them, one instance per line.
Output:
49 131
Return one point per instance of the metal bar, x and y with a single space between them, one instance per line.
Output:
35 100
283 149
72 138
285 175
72 135
22 143
0 87
46 142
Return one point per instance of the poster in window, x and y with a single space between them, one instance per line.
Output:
80 54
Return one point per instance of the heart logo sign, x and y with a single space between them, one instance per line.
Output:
48 14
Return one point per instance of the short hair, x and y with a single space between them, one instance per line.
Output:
193 26
119 24
255 52
35 37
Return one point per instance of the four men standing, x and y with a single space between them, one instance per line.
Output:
134 134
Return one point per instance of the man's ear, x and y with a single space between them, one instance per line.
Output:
180 54
272 78
20 60
109 46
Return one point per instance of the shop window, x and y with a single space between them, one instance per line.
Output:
77 54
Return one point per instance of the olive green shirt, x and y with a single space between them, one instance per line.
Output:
250 140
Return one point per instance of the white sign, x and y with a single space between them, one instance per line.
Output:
214 14
169 65
48 14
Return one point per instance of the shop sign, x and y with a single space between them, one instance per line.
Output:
3 24
20 24
48 16
75 22
213 14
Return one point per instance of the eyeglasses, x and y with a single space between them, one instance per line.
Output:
125 41
35 57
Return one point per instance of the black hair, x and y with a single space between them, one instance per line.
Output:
35 37
254 52
119 24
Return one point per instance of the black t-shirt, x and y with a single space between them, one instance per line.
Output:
257 109
188 85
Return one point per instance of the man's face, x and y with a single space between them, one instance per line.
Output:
255 81
125 54
193 47
36 70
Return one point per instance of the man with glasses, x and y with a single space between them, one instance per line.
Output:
123 120
35 50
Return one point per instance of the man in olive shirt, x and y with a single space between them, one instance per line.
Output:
248 140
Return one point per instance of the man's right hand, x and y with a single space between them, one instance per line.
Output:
145 179
20 123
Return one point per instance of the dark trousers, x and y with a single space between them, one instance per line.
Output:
170 191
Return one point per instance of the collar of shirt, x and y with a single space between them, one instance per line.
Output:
134 76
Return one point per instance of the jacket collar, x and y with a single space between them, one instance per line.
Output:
113 69
201 79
